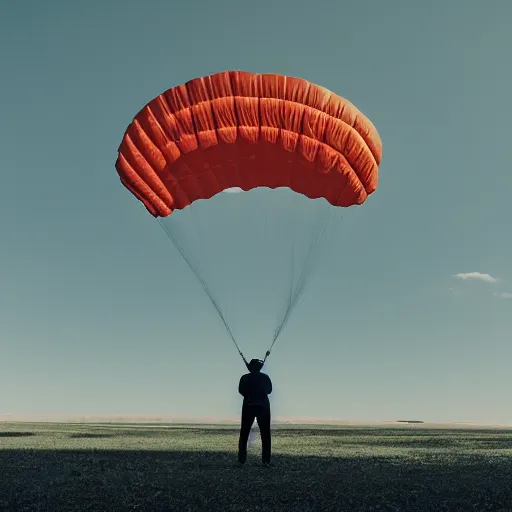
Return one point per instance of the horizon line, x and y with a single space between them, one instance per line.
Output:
224 420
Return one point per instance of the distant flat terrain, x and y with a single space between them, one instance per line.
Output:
102 467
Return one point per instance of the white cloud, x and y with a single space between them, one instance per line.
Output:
503 295
233 190
476 276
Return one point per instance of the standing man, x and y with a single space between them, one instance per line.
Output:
255 388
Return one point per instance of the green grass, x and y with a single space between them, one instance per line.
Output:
70 467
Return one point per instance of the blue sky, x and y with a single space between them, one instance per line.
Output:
99 315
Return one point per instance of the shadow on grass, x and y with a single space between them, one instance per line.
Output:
165 481
90 436
479 443
391 432
17 434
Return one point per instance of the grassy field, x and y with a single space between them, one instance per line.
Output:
70 467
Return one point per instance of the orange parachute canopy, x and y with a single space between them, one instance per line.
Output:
246 130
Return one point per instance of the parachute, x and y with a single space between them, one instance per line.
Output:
239 131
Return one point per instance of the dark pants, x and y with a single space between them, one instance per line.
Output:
262 415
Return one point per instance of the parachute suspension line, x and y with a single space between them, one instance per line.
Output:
203 284
297 292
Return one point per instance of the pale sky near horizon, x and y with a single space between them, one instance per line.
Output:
409 319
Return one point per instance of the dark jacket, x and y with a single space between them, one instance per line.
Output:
255 388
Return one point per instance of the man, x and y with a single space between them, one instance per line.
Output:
255 388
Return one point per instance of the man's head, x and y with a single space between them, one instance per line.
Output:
255 365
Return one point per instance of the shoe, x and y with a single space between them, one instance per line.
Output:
266 464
